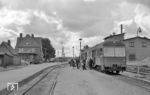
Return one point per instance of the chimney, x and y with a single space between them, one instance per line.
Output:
33 35
9 43
114 33
20 35
121 26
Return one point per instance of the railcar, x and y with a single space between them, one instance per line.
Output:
108 56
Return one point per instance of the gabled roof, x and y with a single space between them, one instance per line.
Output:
113 43
137 37
5 48
29 42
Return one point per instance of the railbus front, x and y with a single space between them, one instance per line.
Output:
110 57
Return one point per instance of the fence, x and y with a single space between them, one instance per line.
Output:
143 70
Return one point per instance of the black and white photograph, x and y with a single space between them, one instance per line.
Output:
74 47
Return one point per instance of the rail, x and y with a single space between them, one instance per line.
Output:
142 70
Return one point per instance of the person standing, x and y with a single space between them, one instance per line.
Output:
70 62
74 63
84 64
91 63
88 62
77 63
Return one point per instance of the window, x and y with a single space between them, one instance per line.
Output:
144 44
132 57
93 53
33 50
114 52
101 49
120 52
20 50
109 52
131 44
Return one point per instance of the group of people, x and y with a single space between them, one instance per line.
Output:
84 63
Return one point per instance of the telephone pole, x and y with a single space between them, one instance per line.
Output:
80 48
73 51
62 53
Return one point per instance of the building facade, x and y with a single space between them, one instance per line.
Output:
29 48
137 48
8 55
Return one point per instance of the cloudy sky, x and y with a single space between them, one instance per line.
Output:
68 20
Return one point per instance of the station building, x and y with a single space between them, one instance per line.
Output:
29 48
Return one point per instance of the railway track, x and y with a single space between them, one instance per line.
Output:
44 84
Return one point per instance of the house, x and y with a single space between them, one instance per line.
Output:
8 55
29 48
137 48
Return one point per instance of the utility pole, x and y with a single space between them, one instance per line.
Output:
62 53
80 48
73 51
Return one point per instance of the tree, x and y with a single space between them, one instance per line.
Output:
48 50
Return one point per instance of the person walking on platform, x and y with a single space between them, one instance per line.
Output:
91 63
70 62
74 63
77 63
84 64
88 62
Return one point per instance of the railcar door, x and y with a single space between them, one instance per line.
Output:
99 58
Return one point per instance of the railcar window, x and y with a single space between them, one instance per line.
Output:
101 49
114 52
119 52
109 52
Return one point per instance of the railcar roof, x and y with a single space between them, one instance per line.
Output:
112 43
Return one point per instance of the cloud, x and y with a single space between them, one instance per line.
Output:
144 2
89 0
9 16
7 33
68 20
142 18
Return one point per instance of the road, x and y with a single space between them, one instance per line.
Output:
69 81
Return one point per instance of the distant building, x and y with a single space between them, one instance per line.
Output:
8 55
137 48
29 48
